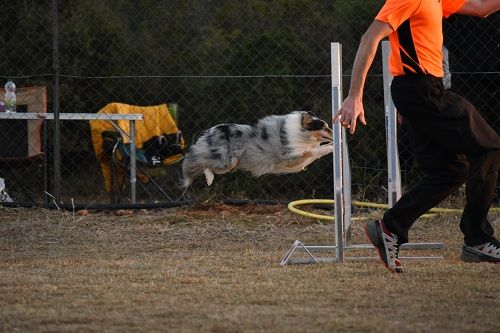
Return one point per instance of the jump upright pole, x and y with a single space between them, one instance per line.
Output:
391 132
338 154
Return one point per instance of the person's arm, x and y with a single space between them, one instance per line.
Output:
352 108
481 8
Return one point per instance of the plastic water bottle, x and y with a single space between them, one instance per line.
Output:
10 97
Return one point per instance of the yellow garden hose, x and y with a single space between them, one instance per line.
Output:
292 207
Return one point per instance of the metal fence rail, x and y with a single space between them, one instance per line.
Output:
218 62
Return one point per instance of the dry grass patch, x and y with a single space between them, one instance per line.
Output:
214 268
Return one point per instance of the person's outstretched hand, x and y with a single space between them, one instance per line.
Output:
349 112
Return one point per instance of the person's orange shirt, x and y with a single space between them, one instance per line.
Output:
417 40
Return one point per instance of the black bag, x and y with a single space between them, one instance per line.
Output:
158 148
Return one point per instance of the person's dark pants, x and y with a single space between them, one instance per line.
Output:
453 145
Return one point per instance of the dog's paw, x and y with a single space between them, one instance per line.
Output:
209 176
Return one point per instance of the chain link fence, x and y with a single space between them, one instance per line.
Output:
209 62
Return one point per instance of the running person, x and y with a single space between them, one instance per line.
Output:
452 143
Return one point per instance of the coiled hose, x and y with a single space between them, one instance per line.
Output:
292 207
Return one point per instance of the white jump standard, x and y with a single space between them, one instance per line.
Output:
342 179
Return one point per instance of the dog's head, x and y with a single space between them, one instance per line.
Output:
317 129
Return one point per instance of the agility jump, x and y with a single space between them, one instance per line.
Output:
342 176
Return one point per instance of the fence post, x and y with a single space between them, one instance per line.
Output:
57 127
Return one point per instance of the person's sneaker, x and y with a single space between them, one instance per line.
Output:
489 252
386 243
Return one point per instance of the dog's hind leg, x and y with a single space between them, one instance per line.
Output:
209 176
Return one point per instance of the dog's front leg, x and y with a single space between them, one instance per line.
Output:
299 163
322 150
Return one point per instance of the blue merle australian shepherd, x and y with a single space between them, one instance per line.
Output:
276 144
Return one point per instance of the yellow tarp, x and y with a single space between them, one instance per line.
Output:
157 121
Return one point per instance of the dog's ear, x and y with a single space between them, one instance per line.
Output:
307 119
312 123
